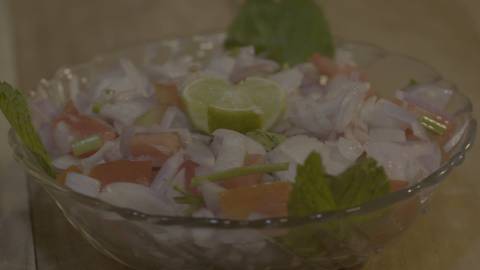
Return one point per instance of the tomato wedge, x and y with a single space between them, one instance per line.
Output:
139 172
189 167
246 180
84 126
158 147
167 95
266 199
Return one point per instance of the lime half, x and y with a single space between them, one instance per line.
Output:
213 103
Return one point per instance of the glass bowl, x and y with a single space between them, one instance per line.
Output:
331 240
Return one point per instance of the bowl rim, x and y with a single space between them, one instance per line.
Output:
21 155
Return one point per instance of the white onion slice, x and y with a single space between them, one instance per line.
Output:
211 195
200 153
289 79
64 162
83 184
350 149
63 137
89 162
135 196
168 171
387 135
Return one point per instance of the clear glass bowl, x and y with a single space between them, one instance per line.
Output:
333 240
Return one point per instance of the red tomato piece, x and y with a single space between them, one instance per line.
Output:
139 172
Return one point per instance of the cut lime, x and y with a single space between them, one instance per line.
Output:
214 103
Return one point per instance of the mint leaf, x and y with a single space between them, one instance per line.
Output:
269 140
15 108
362 182
314 191
311 193
287 31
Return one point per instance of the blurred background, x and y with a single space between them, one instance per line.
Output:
39 36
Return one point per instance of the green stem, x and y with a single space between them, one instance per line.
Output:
240 171
87 145
433 125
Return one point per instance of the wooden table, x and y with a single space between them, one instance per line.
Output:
53 33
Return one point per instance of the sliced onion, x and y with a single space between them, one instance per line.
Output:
222 65
65 162
350 149
126 136
135 196
136 77
387 135
211 195
350 106
125 113
200 153
431 97
89 162
297 148
168 171
289 79
168 117
63 137
83 184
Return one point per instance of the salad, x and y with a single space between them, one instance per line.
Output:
270 126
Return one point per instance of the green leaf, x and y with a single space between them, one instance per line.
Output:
287 31
269 140
314 191
311 193
15 108
362 182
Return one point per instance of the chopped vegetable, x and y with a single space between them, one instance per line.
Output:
84 126
362 182
167 95
151 117
87 145
246 180
241 171
63 175
269 140
311 193
194 201
15 108
269 200
287 31
433 125
139 172
83 184
158 147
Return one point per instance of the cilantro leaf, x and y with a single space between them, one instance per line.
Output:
287 31
15 108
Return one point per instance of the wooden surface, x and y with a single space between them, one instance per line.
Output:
445 33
